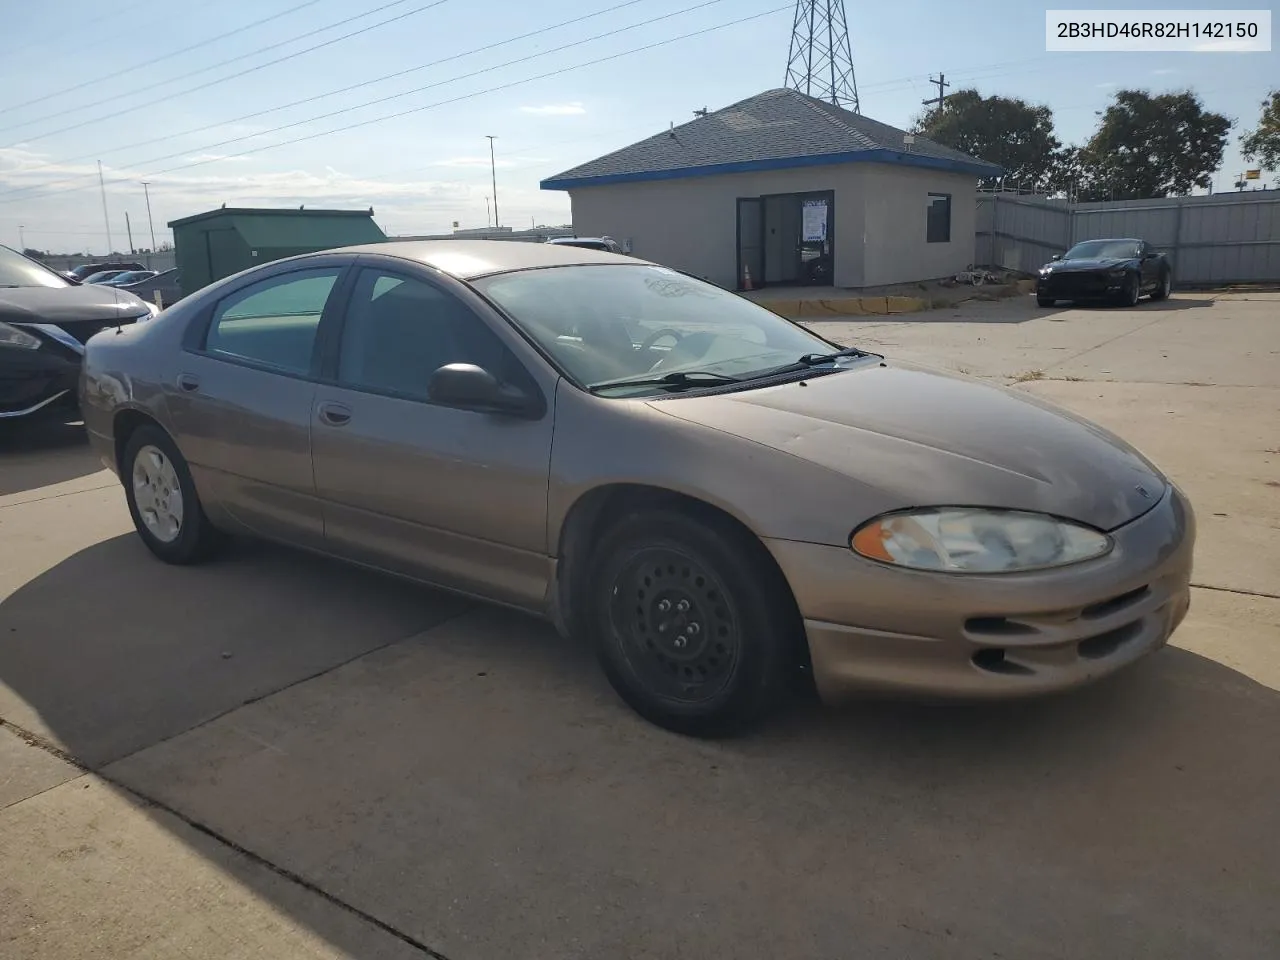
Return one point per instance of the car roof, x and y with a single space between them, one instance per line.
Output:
470 259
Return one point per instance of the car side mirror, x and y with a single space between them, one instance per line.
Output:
1056 256
473 387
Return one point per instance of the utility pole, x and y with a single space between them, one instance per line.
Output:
941 84
22 240
128 228
493 172
106 220
151 223
488 213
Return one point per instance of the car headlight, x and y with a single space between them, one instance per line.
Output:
1116 274
11 336
960 540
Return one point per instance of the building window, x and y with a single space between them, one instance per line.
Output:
938 222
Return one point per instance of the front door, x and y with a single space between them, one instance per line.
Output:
786 239
457 497
240 400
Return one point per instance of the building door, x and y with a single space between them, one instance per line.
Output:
750 243
786 238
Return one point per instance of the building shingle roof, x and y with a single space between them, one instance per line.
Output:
772 130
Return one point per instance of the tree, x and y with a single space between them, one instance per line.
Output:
1154 146
1262 144
1002 130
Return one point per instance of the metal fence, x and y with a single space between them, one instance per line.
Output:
1223 238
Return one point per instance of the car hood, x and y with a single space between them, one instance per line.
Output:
921 437
82 311
1068 266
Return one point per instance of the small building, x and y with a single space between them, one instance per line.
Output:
783 188
216 244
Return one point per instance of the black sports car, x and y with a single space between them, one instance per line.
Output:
45 321
1120 271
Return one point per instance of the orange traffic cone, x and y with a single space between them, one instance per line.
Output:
746 278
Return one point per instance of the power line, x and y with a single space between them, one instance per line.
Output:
152 61
10 198
114 13
495 89
213 83
504 86
333 93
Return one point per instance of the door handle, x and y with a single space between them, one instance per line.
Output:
188 382
335 414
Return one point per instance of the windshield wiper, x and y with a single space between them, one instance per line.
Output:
813 359
678 380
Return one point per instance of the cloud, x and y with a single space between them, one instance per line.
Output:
1106 85
574 109
50 197
1163 71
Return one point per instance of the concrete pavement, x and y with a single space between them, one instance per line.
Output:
277 756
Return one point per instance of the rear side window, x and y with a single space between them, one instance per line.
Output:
273 322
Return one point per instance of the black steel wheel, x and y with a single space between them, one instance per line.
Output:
1131 291
1164 287
692 627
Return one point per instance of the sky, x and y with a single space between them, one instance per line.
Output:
196 103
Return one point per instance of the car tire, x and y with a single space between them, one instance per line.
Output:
1164 286
162 499
1045 301
1131 293
693 628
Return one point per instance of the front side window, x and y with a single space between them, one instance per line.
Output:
603 323
938 218
273 322
400 330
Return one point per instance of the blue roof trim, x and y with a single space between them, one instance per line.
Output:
977 168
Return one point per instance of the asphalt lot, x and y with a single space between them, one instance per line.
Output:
276 756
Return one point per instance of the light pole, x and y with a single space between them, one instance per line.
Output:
151 223
493 172
22 240
106 220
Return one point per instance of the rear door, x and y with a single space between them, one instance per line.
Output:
241 401
454 496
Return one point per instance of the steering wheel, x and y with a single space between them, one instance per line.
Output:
657 335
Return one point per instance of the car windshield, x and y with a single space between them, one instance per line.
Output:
606 323
132 275
103 275
1103 250
19 271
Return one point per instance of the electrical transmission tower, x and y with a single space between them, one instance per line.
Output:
820 62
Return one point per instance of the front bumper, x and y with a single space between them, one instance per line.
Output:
33 382
873 627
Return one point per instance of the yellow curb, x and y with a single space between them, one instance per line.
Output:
906 304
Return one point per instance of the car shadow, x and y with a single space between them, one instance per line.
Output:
1174 303
477 787
39 454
